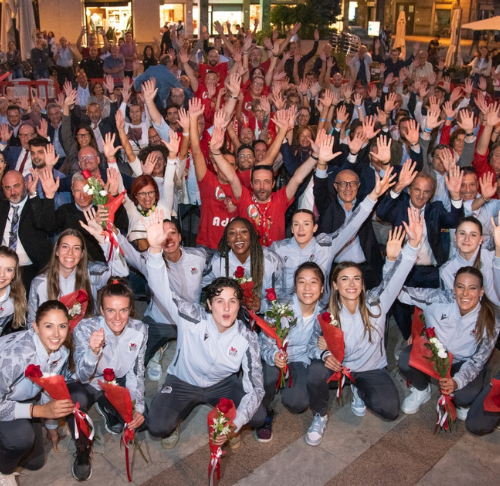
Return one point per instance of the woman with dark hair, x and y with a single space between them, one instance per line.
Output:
240 247
212 347
13 306
111 340
362 316
309 284
70 270
97 96
467 324
21 436
148 57
481 66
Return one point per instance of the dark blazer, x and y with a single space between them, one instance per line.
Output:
395 211
69 216
11 154
65 184
34 240
332 217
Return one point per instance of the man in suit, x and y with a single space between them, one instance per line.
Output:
102 126
17 157
432 254
363 249
18 229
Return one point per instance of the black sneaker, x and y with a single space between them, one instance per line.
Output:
111 423
265 433
82 466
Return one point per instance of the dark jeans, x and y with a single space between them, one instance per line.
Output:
177 399
21 444
375 388
480 422
294 398
418 379
159 333
64 74
86 395
420 276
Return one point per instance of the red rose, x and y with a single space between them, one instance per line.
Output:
240 272
33 371
326 316
430 333
224 405
270 294
108 374
86 173
82 297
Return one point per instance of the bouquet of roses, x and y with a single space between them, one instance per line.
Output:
244 282
281 320
429 356
55 386
102 197
492 400
76 303
334 337
219 420
119 397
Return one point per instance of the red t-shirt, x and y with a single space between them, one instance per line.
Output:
244 178
248 99
221 68
214 213
273 227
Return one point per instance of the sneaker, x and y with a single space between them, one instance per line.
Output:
265 433
315 433
402 344
358 406
154 370
111 423
8 479
82 466
412 402
171 441
235 441
462 413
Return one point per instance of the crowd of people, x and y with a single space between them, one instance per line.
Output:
363 198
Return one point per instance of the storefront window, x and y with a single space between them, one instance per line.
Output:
115 20
171 12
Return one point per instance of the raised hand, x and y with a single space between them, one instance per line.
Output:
109 83
448 110
413 133
395 243
50 156
41 103
155 231
149 164
383 154
120 121
496 234
342 114
488 185
381 185
406 176
173 144
466 120
369 127
234 84
372 92
113 183
415 227
389 79
493 118
326 149
109 147
5 132
96 341
454 181
43 128
32 182
93 226
196 108
357 142
382 117
217 140
432 120
149 89
390 102
447 158
184 120
71 98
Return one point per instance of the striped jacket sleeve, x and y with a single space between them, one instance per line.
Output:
135 377
85 360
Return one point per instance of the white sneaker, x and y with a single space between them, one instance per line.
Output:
171 441
358 407
462 413
412 402
154 370
315 433
402 344
8 479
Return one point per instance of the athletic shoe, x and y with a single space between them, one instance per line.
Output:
412 402
315 433
171 441
358 406
8 479
111 423
82 466
265 433
402 344
154 370
235 441
462 413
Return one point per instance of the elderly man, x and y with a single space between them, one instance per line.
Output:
93 65
18 228
115 63
327 51
17 157
294 50
39 59
64 62
360 66
101 126
421 68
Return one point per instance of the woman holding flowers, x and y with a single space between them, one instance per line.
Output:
305 306
115 341
21 440
212 347
362 317
238 249
69 268
13 304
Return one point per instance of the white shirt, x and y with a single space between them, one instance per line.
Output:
28 165
352 250
98 137
83 95
24 259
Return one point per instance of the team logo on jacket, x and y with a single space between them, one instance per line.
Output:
233 351
444 316
167 389
194 270
311 258
132 347
252 211
472 333
219 193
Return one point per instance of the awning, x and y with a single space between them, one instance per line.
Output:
487 24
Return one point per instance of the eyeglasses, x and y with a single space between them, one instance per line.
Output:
86 158
246 156
146 194
304 115
345 184
83 135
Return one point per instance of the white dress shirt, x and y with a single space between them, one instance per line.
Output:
24 259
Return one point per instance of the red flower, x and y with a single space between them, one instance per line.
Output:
240 272
270 294
108 374
82 297
33 371
86 173
224 405
326 316
430 333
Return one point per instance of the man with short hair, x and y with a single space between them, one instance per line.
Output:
420 67
93 65
360 66
17 157
129 53
115 63
91 42
64 62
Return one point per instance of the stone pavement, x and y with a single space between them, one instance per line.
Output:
354 451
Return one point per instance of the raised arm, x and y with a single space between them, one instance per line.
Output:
149 91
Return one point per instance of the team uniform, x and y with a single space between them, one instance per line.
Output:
6 309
